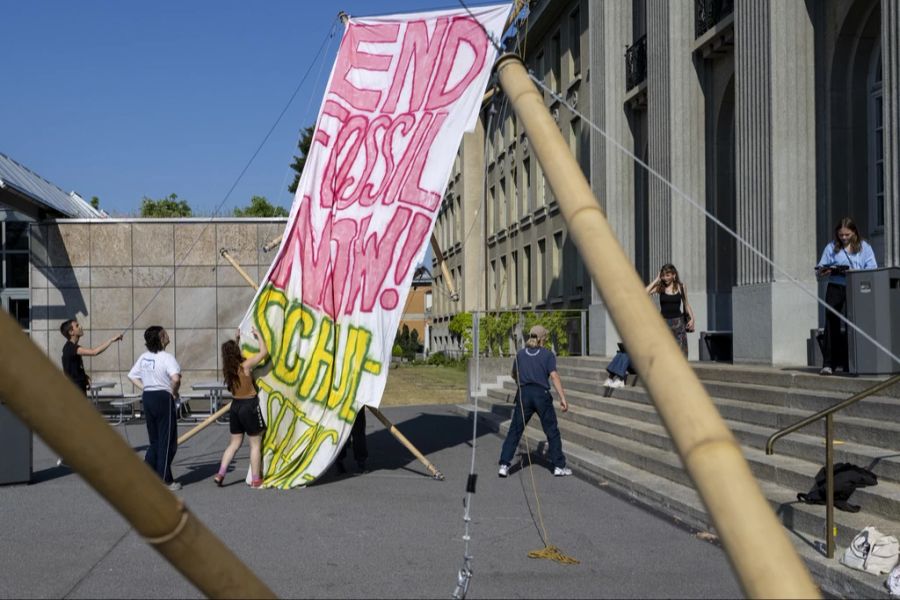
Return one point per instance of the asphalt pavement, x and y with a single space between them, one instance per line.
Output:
392 532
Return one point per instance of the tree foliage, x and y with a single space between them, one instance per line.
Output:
260 207
165 208
300 161
497 331
95 202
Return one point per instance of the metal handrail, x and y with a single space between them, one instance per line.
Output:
828 415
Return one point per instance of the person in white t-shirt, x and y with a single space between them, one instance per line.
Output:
158 374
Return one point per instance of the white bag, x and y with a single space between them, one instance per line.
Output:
893 582
872 551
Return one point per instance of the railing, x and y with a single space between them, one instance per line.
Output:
710 12
636 63
828 415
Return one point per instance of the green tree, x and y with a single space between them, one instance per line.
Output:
303 145
260 207
165 208
95 202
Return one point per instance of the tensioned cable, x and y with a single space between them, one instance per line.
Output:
239 177
306 112
713 218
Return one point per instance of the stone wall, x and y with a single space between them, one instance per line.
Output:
125 275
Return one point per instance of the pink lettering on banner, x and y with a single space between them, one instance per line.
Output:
375 160
351 57
421 52
462 31
369 274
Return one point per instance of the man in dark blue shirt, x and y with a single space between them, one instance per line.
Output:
533 369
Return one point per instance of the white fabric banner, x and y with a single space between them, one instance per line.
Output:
402 91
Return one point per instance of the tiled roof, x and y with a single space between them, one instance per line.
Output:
40 191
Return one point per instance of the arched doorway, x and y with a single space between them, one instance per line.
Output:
721 264
853 179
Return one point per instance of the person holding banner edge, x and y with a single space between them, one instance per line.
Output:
533 368
244 416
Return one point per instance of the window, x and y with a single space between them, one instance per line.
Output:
527 199
541 271
514 279
575 40
493 278
14 255
556 263
502 216
526 275
502 292
515 202
554 63
491 209
876 146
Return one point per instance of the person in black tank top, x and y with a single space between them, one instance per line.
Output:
675 309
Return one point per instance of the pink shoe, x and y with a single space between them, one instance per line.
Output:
256 483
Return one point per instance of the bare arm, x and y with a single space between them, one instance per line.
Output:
652 286
557 383
137 383
99 349
249 364
176 383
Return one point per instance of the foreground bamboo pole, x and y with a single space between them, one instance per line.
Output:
47 402
204 424
761 554
378 414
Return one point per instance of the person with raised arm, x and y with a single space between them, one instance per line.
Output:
245 416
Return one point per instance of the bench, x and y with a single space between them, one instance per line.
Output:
716 345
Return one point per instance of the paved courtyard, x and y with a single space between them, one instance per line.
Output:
391 532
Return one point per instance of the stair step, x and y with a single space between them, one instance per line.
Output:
681 502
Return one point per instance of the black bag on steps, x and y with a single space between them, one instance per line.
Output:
847 477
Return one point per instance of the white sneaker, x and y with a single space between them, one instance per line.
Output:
617 383
562 471
609 382
174 486
826 371
503 471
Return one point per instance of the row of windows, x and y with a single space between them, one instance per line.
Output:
14 271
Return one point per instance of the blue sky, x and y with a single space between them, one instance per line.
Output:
123 100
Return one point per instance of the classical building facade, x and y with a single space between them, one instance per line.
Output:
775 117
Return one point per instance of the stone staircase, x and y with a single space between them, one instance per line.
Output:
618 440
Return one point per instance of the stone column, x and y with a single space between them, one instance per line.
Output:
677 150
776 185
472 288
890 66
611 171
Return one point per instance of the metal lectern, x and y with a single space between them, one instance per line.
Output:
15 448
873 304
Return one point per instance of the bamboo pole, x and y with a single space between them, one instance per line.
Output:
49 404
237 267
761 554
378 414
451 287
204 424
403 440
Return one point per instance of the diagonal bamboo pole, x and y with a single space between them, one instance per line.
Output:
45 400
761 554
435 474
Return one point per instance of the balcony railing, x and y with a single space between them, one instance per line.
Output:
636 63
710 12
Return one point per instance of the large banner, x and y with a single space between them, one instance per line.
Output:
402 91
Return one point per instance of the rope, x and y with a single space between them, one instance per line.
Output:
549 551
715 220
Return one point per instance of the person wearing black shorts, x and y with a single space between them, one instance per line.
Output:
245 414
